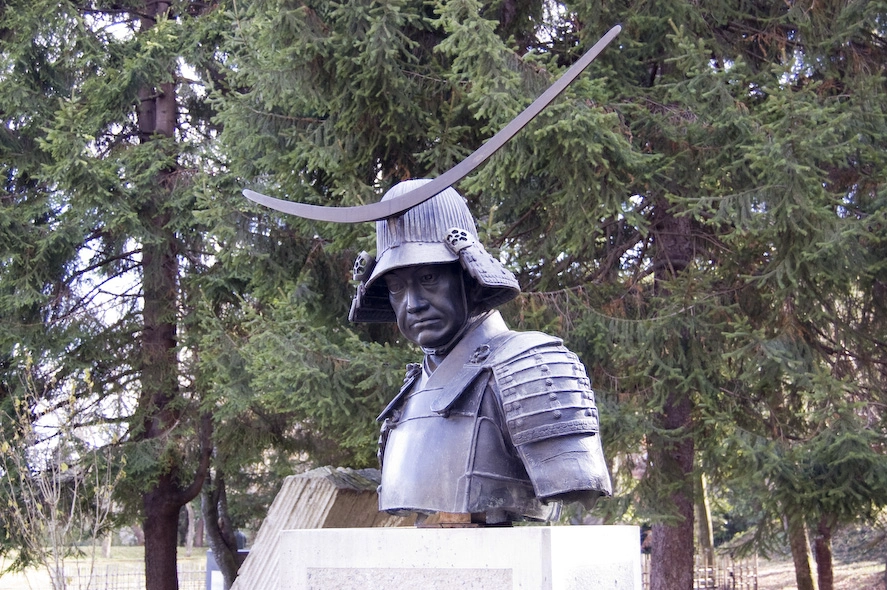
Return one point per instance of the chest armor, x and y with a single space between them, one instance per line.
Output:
498 428
457 460
445 445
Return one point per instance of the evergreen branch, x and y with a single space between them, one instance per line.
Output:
507 234
88 9
612 257
128 256
84 301
287 117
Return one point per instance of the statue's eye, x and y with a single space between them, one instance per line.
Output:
428 277
394 284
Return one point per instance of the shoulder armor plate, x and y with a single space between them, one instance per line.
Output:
546 392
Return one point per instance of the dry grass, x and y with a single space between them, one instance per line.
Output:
861 575
860 560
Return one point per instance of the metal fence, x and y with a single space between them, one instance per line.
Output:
724 573
113 577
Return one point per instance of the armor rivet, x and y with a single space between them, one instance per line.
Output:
538 358
516 405
544 368
481 354
549 382
552 396
556 414
519 422
588 412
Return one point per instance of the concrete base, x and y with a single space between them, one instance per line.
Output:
522 557
321 498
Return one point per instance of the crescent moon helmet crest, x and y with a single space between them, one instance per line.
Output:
389 208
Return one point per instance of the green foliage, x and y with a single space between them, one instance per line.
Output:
285 379
92 189
701 218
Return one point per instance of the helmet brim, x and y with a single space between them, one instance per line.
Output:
411 254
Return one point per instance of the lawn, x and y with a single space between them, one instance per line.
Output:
124 570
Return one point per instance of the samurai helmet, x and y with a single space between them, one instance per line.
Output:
438 231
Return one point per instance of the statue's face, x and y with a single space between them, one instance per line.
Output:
429 302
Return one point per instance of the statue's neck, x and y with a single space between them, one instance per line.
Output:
435 356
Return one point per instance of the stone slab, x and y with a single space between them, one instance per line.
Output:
325 497
518 558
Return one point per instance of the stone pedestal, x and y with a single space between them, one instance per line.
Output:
522 557
322 498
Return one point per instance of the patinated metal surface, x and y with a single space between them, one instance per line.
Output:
436 231
497 424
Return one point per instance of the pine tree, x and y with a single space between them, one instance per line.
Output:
700 217
99 146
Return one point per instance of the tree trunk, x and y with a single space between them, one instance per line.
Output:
162 505
219 531
161 538
139 533
192 526
159 407
671 554
822 549
158 404
702 513
800 546
671 453
199 533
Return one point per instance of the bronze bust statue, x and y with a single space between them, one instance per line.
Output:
496 424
